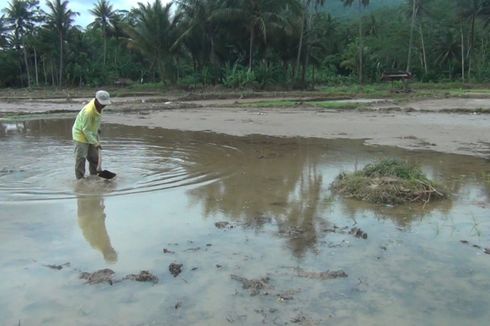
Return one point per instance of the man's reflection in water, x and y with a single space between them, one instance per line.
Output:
91 218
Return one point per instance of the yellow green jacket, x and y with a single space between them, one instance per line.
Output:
87 124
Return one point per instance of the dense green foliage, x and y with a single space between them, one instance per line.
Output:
244 43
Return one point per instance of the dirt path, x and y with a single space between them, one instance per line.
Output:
445 125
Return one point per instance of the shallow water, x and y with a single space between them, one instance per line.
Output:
171 189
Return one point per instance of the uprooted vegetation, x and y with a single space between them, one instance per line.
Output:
390 181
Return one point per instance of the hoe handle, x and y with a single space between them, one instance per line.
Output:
99 160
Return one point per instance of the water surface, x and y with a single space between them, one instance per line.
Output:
171 189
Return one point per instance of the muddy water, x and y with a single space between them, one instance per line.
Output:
284 228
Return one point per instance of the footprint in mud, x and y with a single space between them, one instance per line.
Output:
100 276
58 267
106 276
485 250
358 233
327 275
143 276
355 231
223 225
175 269
254 286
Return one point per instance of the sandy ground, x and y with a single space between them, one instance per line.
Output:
446 125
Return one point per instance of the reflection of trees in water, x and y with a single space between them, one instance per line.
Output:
302 220
275 180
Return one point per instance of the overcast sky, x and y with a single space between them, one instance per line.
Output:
83 7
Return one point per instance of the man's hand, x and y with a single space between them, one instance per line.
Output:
98 147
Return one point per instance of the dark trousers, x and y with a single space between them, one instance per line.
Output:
84 152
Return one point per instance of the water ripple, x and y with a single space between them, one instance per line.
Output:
41 168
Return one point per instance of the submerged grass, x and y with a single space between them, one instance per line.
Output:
390 181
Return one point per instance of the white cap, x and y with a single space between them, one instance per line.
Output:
103 97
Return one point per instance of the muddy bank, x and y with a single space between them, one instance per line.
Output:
449 133
458 126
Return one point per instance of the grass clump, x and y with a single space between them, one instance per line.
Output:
389 181
280 103
336 105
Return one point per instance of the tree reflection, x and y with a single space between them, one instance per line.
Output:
273 181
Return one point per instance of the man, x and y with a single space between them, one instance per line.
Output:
85 133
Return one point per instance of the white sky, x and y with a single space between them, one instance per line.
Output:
83 7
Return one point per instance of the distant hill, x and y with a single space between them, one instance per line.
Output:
337 9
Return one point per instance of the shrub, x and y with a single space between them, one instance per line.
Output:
238 77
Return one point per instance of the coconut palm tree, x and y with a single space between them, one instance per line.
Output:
3 30
412 26
154 33
470 10
60 20
447 49
361 4
306 4
104 19
21 17
418 9
200 23
257 16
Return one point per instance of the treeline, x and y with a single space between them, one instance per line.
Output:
242 43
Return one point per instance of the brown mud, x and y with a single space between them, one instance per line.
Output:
450 125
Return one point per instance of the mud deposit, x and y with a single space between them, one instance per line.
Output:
205 229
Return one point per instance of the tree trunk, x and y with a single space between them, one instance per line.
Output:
35 67
423 49
462 55
212 56
105 45
19 65
410 42
313 77
26 63
300 45
44 71
361 45
61 60
53 80
470 47
307 54
177 62
252 36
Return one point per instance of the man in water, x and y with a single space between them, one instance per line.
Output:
85 133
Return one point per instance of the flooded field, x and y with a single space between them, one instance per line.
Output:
232 230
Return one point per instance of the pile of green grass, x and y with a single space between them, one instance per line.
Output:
390 181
